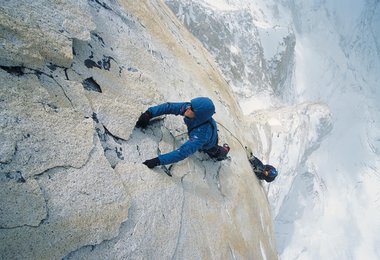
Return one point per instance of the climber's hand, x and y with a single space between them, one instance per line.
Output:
144 119
152 162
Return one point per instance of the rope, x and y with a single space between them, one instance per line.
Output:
244 147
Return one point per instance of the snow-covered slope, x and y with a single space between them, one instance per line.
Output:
234 36
326 199
338 61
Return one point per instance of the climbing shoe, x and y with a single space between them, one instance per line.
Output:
223 151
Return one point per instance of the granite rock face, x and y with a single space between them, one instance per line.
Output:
22 201
40 132
34 33
82 206
72 182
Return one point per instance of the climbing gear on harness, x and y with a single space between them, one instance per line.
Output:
223 152
219 153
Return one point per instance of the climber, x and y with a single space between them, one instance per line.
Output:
263 172
201 129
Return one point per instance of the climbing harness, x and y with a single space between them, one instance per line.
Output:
167 170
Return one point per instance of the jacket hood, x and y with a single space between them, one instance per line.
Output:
203 108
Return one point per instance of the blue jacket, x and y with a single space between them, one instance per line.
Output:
202 129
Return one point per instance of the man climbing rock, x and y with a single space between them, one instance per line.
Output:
201 128
263 172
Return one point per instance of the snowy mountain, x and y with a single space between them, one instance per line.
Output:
234 37
277 55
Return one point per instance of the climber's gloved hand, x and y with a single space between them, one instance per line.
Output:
152 162
144 119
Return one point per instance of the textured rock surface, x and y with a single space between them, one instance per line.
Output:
85 206
199 213
40 133
22 201
37 32
70 145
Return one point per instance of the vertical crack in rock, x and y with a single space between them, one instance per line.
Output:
231 252
112 145
216 177
179 235
46 200
138 149
64 92
204 171
66 75
73 50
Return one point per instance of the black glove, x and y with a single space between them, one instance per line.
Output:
152 162
144 119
